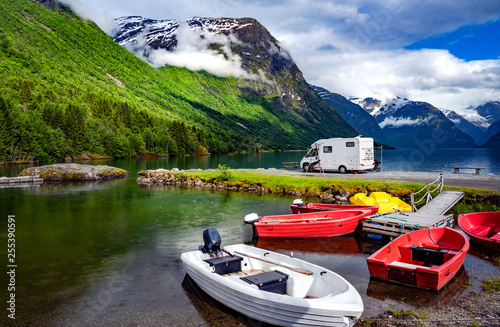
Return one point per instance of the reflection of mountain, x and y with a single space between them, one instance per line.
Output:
339 245
213 312
382 290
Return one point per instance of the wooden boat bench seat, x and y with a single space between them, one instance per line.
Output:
399 264
483 230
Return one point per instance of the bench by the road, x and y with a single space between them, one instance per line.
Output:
293 165
456 170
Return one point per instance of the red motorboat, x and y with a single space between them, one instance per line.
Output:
300 207
314 224
425 258
482 227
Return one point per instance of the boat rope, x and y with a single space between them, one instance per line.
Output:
430 236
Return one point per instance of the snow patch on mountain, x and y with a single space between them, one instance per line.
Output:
188 44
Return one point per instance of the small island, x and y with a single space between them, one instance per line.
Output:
75 172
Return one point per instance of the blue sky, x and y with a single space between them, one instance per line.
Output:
443 52
470 42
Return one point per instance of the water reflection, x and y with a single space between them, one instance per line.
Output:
107 253
383 291
334 245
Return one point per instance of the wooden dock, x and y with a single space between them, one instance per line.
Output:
20 181
432 214
442 203
395 224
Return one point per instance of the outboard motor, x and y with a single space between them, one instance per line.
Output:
212 240
298 202
251 218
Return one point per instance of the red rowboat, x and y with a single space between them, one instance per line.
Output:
482 227
314 224
300 207
425 258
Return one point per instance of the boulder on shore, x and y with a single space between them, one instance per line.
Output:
75 172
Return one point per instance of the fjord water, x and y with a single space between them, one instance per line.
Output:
107 253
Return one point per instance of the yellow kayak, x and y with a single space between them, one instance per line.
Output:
385 201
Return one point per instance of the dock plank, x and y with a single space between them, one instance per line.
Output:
443 202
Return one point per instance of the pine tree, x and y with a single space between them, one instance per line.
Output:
6 139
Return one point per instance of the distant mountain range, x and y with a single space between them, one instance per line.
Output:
399 122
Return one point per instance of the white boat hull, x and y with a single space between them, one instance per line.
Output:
322 299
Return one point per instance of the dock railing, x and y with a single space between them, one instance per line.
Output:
428 195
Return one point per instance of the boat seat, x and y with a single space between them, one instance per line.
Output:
225 265
399 264
428 256
482 230
297 284
270 281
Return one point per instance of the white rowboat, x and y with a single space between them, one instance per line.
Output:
275 288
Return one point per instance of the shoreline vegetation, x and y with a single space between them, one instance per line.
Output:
313 188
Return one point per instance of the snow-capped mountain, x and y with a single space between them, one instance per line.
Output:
409 124
485 114
466 126
241 48
368 104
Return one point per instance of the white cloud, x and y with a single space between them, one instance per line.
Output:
352 47
433 76
401 122
103 20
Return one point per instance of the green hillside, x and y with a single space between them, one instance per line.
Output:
66 88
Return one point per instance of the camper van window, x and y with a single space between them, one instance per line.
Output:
349 144
327 149
312 153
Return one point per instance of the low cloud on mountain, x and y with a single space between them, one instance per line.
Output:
356 48
396 122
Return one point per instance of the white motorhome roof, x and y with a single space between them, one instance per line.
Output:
319 142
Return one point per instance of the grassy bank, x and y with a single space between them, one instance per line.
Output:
313 188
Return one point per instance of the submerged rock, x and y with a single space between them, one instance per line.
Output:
75 172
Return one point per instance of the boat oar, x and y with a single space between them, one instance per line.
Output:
302 271
298 219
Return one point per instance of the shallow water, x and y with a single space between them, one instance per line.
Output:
107 253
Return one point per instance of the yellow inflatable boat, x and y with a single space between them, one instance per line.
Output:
385 201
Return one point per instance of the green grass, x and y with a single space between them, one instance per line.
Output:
491 285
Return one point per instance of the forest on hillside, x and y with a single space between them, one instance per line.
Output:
67 89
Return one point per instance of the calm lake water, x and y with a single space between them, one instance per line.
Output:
107 253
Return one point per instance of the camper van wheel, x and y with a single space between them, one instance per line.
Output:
305 167
342 170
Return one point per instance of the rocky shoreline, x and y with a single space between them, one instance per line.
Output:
177 178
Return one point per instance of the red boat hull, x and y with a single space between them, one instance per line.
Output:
482 227
314 224
426 258
314 207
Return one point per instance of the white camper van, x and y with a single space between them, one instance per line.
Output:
342 154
